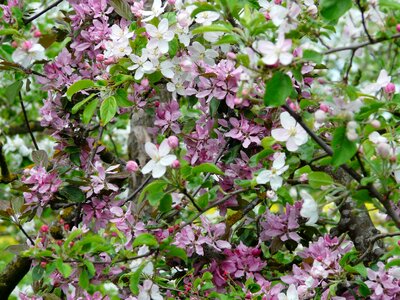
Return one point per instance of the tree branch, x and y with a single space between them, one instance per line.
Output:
33 126
34 17
361 45
13 274
27 121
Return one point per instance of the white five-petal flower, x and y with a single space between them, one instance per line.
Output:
273 53
309 210
141 64
160 159
382 81
160 36
273 176
292 133
28 53
156 10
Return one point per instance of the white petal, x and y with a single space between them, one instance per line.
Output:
152 150
158 171
279 160
167 160
164 148
151 30
285 58
280 134
291 145
263 177
292 293
168 36
163 26
276 182
287 120
148 167
163 46
270 59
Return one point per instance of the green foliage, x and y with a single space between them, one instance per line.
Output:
277 90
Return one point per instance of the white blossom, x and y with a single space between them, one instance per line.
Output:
149 291
199 52
382 81
309 209
160 159
206 17
273 53
292 133
28 53
291 294
141 64
156 10
160 36
273 176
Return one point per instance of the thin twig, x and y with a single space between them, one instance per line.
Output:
190 197
96 145
24 232
363 21
361 45
372 241
135 192
27 121
34 17
346 76
372 190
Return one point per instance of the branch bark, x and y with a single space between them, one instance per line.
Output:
13 274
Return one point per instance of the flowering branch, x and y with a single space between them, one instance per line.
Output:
373 191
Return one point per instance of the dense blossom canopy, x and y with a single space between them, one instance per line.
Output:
187 149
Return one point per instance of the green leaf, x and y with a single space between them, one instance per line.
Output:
212 28
122 98
122 8
278 88
108 109
363 289
90 267
73 193
12 91
173 47
357 269
332 10
37 273
89 111
391 4
79 86
202 201
202 6
9 31
79 105
311 55
318 179
145 239
343 149
153 187
165 203
174 251
63 268
84 279
134 280
207 168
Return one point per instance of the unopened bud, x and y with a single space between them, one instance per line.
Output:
176 164
398 27
320 116
173 142
44 228
375 123
384 150
312 10
132 166
99 57
390 88
37 34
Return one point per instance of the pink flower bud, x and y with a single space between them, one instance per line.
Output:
176 164
14 44
238 101
173 142
324 107
375 123
298 52
390 88
131 166
37 34
183 19
303 177
100 57
278 2
294 106
171 2
384 150
144 82
109 61
398 27
186 65
43 264
44 228
393 158
231 55
27 45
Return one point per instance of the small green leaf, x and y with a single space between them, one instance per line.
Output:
122 8
207 168
311 55
9 31
84 279
318 179
343 149
174 251
63 268
108 109
357 269
79 86
202 201
173 47
79 105
122 98
277 90
165 203
72 193
145 239
212 28
12 91
134 280
89 111
332 10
